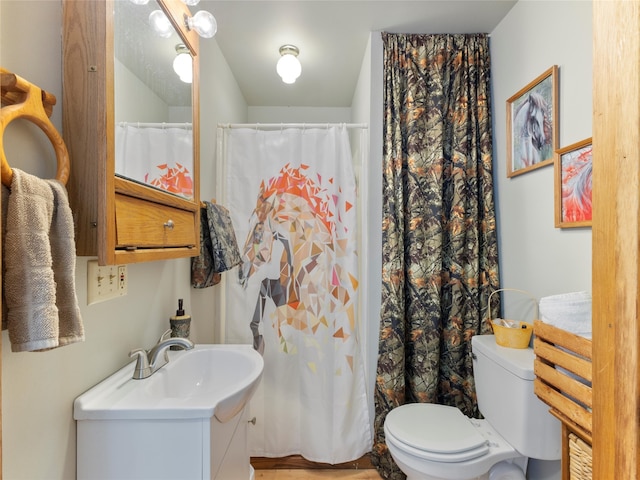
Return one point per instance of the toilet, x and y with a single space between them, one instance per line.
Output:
438 442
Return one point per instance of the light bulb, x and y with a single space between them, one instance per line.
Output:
160 24
204 23
191 3
139 2
183 67
183 63
288 66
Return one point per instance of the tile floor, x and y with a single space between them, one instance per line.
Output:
305 474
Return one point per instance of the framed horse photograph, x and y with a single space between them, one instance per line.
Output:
532 124
573 185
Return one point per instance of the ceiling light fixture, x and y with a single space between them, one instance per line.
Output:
288 66
183 64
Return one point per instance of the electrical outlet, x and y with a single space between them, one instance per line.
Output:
105 283
123 279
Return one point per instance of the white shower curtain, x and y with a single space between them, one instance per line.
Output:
292 196
157 155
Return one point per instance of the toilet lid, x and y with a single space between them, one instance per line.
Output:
436 432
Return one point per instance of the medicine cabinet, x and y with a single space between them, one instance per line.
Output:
120 218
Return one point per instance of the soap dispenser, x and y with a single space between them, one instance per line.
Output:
180 324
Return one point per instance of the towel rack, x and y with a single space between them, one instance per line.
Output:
22 99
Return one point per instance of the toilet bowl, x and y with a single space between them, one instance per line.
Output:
506 471
437 442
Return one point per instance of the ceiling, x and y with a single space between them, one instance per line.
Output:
332 36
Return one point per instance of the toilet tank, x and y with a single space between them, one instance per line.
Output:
504 386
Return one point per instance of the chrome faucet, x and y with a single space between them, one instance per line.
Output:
147 361
161 347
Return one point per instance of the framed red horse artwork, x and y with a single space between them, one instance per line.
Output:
532 124
573 185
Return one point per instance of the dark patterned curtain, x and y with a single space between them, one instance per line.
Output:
440 254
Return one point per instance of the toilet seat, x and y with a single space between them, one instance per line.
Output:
437 433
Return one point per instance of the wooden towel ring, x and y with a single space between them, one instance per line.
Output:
22 99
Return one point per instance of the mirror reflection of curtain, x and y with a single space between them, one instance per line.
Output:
156 155
440 253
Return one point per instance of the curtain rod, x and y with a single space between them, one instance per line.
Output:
275 126
185 125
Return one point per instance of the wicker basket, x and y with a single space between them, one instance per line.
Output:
513 337
510 337
579 458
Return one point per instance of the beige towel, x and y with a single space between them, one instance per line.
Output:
39 261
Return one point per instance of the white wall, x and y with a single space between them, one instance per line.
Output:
299 114
367 108
220 102
361 102
534 255
38 389
135 101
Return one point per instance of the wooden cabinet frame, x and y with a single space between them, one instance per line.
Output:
89 126
616 238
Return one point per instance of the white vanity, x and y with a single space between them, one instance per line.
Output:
187 421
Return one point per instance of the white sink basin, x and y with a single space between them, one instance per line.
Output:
206 381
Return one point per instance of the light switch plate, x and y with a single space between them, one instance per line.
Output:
105 282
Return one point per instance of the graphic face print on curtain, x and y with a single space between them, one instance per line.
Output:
294 210
440 257
292 193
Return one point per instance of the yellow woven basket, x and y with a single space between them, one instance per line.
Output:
513 337
518 333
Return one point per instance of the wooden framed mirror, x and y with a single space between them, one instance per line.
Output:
118 218
153 111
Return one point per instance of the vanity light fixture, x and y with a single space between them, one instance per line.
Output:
202 22
183 64
160 24
288 66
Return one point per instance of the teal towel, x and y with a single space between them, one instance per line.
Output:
218 246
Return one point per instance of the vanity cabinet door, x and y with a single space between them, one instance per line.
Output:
118 219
